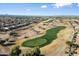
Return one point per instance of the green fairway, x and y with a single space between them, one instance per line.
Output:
35 42
50 35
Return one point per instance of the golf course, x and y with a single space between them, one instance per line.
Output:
50 35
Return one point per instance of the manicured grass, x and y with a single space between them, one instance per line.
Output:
51 34
35 42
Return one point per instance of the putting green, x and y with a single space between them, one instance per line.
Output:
51 34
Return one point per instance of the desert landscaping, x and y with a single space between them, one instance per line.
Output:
49 34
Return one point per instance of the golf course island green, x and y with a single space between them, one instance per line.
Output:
51 34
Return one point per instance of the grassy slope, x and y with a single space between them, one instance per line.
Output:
50 35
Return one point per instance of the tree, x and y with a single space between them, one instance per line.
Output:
15 51
72 48
69 43
7 39
13 33
35 52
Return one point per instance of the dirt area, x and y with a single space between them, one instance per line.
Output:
57 47
54 48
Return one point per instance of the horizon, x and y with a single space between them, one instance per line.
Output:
35 15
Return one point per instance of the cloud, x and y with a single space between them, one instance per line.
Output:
59 5
78 4
44 6
28 9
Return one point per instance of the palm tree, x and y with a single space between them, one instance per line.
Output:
15 51
69 43
35 52
72 48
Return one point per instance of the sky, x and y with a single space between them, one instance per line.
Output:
41 9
